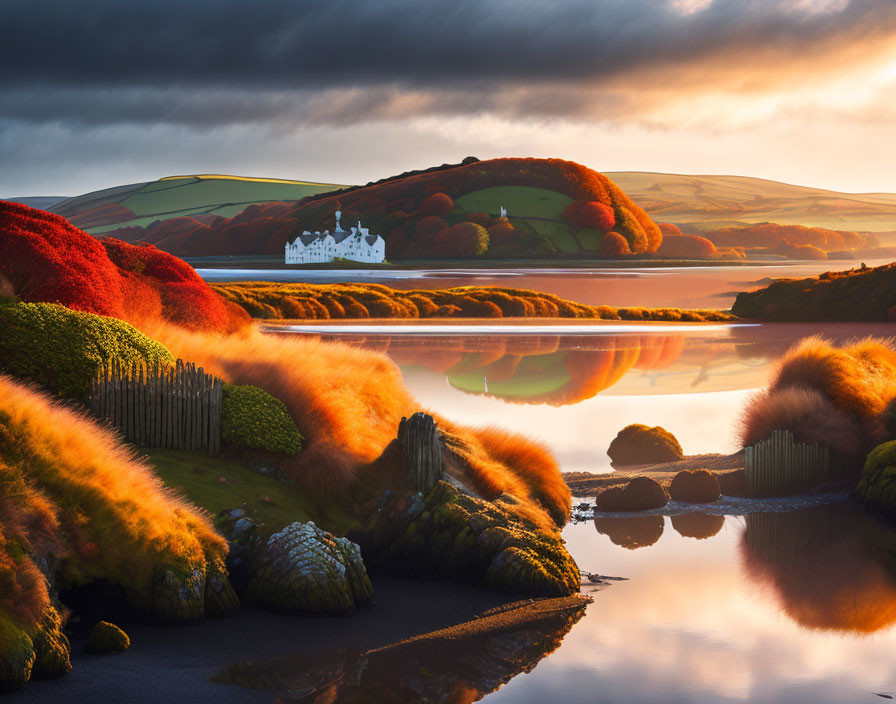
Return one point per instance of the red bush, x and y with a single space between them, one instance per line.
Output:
466 239
583 213
46 259
667 228
502 232
429 226
614 245
437 204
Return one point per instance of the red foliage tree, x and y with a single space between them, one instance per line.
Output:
591 213
429 226
614 245
437 204
466 239
667 228
502 232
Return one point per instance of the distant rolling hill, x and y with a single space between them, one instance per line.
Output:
203 196
709 202
39 202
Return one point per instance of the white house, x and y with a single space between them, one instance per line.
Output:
358 245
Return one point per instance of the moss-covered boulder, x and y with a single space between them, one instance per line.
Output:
640 494
252 418
641 444
305 569
62 349
698 486
106 638
36 651
450 534
877 487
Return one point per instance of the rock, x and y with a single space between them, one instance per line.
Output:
51 647
697 525
304 568
640 494
421 446
237 513
640 444
630 532
733 483
220 598
106 638
242 525
178 595
695 487
450 534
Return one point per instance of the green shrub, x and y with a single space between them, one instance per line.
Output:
877 486
62 349
251 417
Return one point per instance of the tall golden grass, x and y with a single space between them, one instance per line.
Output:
348 403
834 396
71 485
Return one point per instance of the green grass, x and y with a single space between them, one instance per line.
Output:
536 210
197 477
192 195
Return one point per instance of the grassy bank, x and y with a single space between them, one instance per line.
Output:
286 301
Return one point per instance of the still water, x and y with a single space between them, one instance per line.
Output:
683 287
764 606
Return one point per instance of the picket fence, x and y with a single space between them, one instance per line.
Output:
174 407
778 465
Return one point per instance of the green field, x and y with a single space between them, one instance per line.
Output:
536 210
179 196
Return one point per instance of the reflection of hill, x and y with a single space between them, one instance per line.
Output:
459 664
823 565
630 532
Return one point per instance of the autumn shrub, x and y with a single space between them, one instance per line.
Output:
63 349
834 396
614 245
667 228
639 494
48 260
641 444
251 417
501 233
73 497
686 247
590 214
466 239
429 225
695 487
437 204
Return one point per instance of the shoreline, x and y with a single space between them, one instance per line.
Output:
177 663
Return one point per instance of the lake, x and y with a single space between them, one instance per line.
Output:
760 605
712 286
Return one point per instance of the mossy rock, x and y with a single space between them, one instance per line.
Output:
63 349
640 494
106 638
877 487
698 486
453 535
641 444
252 418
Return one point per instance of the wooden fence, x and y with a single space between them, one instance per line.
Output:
779 466
175 407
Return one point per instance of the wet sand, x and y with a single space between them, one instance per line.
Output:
176 664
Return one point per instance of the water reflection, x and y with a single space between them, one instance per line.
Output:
459 664
565 369
630 532
697 525
829 567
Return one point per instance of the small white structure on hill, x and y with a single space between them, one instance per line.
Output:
358 245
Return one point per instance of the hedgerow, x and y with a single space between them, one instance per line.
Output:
63 349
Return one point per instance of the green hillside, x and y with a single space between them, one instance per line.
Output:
141 204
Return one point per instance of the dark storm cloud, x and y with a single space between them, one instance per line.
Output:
210 62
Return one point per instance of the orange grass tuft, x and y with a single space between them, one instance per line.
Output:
98 492
348 403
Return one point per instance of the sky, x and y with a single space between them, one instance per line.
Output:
98 93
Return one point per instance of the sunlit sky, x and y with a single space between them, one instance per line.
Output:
103 92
